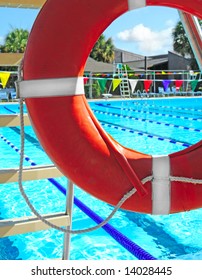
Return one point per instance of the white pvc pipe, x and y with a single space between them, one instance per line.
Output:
69 210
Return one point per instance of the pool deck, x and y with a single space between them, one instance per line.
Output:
118 97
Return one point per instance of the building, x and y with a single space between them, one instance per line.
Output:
171 61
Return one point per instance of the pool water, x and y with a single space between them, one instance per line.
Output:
153 126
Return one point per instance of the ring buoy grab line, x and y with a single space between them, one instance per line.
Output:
59 44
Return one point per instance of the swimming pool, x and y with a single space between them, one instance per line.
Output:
154 126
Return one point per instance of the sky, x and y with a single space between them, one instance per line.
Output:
145 31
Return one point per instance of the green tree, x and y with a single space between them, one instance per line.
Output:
103 50
181 43
15 41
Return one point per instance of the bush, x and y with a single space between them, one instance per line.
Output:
95 90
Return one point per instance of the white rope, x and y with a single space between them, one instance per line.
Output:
147 179
175 179
185 180
123 199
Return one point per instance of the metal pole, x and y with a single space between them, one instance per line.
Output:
154 81
145 66
194 34
91 85
69 210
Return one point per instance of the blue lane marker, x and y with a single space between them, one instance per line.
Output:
16 149
142 133
187 113
151 113
149 121
175 108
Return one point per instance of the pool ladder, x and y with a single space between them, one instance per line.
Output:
123 75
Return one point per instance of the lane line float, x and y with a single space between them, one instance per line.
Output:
58 47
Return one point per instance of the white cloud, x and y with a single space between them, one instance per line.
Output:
147 41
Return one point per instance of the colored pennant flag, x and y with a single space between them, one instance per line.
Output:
178 84
4 76
166 84
85 80
147 84
102 84
194 84
115 83
163 73
133 83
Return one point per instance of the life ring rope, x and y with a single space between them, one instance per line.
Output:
22 87
161 200
36 213
116 208
185 180
65 87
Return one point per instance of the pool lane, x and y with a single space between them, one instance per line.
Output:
167 127
143 133
151 113
147 120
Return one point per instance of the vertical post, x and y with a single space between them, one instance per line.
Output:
154 78
114 68
91 85
183 78
145 66
69 209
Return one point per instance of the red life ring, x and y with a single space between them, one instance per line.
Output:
57 50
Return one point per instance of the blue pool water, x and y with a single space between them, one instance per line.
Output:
155 126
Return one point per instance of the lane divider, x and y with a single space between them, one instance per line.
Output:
175 108
123 240
147 120
17 149
176 111
179 108
142 133
151 113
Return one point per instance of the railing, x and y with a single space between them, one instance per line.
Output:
13 120
31 224
10 175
